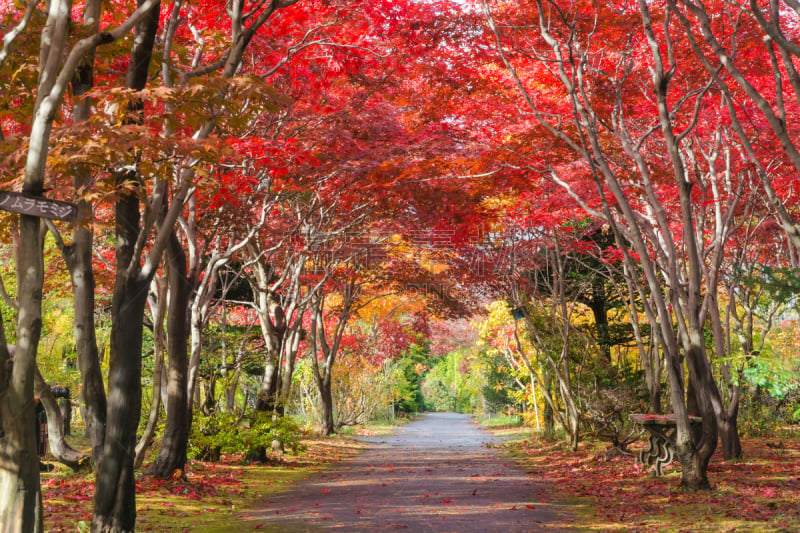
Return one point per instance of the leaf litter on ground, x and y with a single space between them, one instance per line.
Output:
211 494
756 493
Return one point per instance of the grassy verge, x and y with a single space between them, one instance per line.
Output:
207 499
376 429
500 421
758 493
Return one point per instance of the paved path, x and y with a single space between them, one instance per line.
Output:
434 474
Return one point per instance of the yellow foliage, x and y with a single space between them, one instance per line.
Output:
391 304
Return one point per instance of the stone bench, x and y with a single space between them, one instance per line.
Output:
662 430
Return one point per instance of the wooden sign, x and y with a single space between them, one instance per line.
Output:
38 206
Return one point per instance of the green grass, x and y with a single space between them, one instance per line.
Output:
500 420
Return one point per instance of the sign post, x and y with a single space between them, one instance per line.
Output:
38 206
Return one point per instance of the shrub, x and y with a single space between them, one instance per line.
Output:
608 397
227 433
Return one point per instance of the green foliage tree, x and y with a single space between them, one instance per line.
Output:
438 396
462 375
413 364
501 388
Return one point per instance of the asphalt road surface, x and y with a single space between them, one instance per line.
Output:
434 474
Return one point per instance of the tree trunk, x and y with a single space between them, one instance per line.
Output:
693 408
172 455
92 394
25 492
574 430
549 418
115 488
62 451
65 406
78 258
598 307
273 318
21 498
20 490
655 400
210 400
268 394
158 308
729 431
163 388
232 382
274 331
290 350
195 351
694 467
652 364
155 407
326 397
319 339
